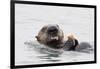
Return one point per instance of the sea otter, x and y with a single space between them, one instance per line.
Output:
51 35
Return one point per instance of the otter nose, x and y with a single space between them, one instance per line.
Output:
52 30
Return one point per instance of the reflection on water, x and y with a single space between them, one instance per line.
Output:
49 57
48 54
52 55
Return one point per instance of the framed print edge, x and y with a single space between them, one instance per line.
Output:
12 33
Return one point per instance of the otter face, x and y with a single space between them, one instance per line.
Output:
50 35
53 33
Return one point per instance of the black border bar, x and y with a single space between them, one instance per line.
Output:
54 4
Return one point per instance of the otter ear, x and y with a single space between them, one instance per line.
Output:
36 37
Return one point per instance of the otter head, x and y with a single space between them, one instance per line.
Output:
50 35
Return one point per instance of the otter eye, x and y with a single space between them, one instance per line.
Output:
43 29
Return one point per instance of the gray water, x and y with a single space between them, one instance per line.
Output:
29 19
